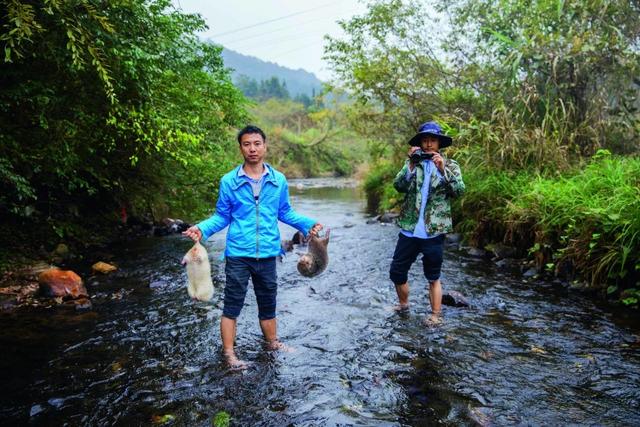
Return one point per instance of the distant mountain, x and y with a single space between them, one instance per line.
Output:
299 82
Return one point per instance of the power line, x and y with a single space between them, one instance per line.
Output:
276 30
275 42
274 20
285 39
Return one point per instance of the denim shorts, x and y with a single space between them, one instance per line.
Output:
264 277
407 250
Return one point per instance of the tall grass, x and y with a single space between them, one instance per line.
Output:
587 220
591 218
482 212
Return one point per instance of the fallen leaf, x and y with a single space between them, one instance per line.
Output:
9 290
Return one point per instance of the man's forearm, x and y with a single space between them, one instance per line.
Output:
212 225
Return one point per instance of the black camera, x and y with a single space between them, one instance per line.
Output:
419 155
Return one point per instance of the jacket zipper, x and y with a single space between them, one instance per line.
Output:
257 229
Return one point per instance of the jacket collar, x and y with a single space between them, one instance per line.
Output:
239 181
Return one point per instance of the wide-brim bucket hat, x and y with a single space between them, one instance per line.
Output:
431 129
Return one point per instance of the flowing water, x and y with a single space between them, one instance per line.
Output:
523 354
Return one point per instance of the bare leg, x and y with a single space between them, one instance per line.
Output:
403 297
228 333
435 298
270 331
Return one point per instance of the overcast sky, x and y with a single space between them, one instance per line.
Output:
293 37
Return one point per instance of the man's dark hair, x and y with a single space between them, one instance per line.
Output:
251 129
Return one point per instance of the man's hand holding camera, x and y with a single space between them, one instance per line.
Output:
413 160
416 156
438 161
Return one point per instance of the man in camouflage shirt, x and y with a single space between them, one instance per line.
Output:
429 181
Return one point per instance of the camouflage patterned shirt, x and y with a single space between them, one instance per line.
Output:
437 214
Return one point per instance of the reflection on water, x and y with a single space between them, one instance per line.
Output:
523 354
327 189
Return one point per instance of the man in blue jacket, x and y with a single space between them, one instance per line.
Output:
251 200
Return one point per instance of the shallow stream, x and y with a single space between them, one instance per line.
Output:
524 353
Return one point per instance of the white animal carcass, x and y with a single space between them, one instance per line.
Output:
200 286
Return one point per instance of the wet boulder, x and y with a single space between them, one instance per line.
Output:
388 217
453 239
477 252
175 225
501 250
385 218
103 268
530 273
508 264
454 299
61 283
373 220
62 251
60 254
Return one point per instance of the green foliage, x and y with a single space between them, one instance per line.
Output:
304 99
309 142
520 85
559 77
569 61
392 71
76 23
588 218
481 213
110 105
380 195
221 419
591 217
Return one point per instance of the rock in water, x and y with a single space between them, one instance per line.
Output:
103 267
454 299
316 259
61 283
200 286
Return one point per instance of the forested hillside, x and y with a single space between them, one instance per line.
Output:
298 82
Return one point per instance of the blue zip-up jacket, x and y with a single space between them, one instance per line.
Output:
253 224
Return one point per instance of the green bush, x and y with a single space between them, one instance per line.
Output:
591 217
378 187
587 220
304 142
